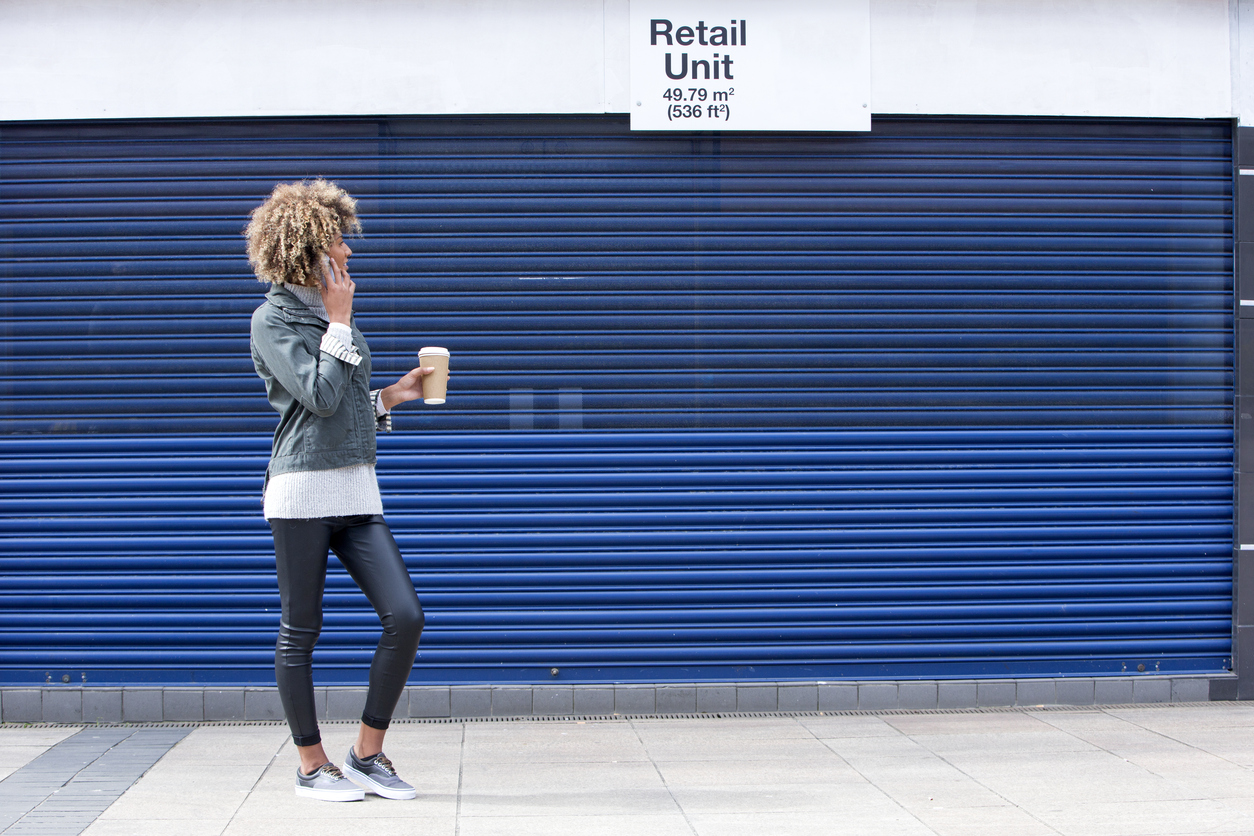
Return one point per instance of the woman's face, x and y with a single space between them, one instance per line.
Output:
340 252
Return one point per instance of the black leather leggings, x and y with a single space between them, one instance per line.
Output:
365 546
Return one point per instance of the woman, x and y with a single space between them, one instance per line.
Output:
321 492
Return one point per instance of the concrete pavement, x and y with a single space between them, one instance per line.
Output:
1160 770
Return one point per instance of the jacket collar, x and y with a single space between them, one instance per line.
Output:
283 297
288 302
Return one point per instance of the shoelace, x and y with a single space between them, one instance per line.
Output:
331 770
381 760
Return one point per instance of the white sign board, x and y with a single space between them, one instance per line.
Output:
750 65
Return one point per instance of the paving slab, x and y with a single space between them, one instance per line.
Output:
1043 741
1061 780
308 826
155 827
1006 820
530 743
846 726
930 793
717 748
747 728
613 789
20 745
874 823
732 772
1147 818
859 749
569 825
955 723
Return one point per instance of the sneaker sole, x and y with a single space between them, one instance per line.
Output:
329 795
370 786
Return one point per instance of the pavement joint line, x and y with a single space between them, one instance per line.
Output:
65 789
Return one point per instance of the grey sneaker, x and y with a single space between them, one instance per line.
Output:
327 784
377 775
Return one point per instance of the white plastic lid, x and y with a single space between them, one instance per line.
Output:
432 349
433 400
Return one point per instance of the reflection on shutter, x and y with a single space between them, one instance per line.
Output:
950 399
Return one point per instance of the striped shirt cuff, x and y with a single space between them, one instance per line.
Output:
382 418
338 342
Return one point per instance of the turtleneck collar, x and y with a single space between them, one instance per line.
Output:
312 299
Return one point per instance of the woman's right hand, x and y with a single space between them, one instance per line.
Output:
337 292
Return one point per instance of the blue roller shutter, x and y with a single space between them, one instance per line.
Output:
953 398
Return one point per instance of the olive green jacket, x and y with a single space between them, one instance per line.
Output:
326 408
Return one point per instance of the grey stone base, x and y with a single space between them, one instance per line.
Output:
71 704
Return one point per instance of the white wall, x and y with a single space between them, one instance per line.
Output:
169 58
1051 57
146 58
1242 26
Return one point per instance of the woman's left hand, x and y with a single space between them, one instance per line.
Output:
408 388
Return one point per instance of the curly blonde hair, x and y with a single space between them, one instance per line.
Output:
289 233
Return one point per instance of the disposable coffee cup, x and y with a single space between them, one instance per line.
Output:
434 385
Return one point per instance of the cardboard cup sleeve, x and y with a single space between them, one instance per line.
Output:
434 385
